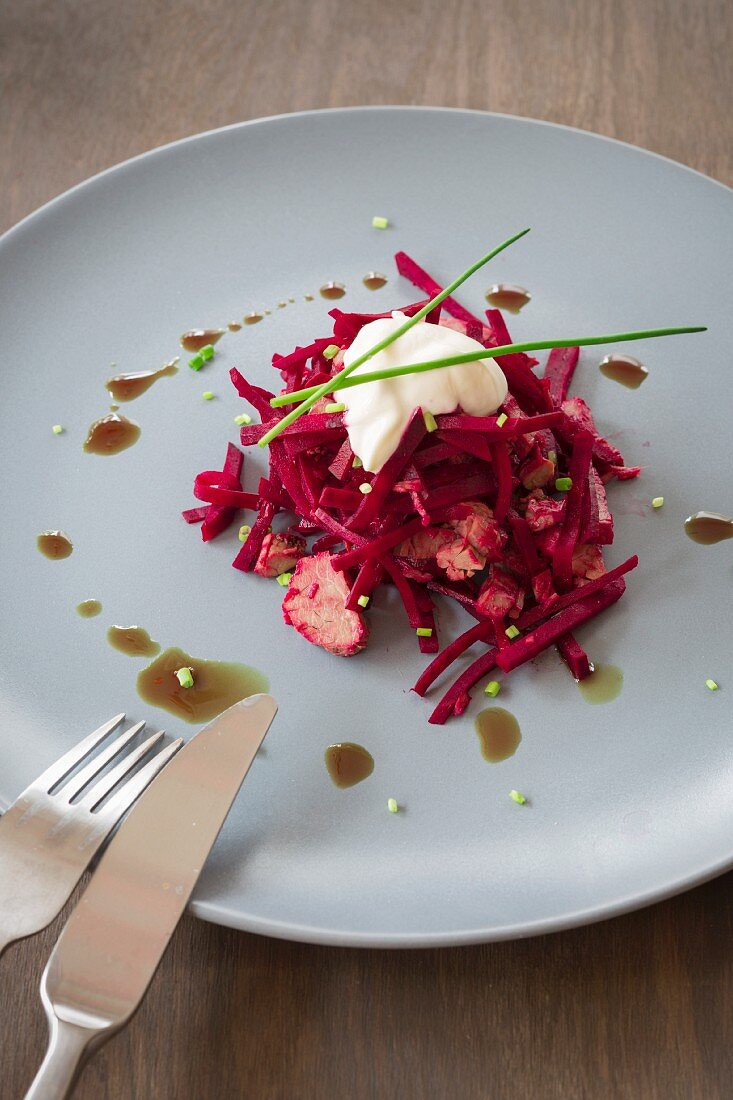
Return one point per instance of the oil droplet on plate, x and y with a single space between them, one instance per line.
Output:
197 338
508 296
234 326
217 685
132 640
308 298
54 545
88 608
624 369
603 684
126 387
374 281
252 318
708 528
498 733
110 435
332 291
348 764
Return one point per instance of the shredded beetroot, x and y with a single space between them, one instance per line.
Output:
469 512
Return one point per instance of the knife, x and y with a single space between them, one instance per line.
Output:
115 938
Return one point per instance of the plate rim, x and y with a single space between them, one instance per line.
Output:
224 915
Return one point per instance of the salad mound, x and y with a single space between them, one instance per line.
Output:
506 514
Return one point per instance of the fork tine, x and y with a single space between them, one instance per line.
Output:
121 802
70 759
109 781
78 782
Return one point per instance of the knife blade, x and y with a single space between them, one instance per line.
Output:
115 938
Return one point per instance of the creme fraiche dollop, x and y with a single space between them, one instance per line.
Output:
378 412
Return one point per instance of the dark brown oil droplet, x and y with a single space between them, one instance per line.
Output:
309 298
88 608
110 435
624 369
126 387
603 684
132 640
252 318
216 685
281 305
54 545
374 281
708 528
234 326
197 338
113 408
507 296
333 290
348 763
498 733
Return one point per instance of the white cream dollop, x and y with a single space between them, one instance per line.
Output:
378 412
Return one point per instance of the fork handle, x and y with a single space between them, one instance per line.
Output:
67 1046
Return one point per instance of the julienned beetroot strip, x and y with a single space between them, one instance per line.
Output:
468 512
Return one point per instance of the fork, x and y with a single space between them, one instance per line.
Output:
49 835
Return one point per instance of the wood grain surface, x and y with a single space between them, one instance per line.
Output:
639 1007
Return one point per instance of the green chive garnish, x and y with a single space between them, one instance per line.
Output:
365 488
197 362
657 502
501 420
57 429
330 351
552 455
563 484
492 688
185 677
431 423
244 530
426 632
284 579
243 418
207 395
207 352
517 797
342 381
511 632
357 463
392 805
363 601
335 407
379 222
711 685
410 322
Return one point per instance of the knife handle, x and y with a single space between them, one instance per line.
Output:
67 1047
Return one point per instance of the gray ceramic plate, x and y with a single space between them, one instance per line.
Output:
628 802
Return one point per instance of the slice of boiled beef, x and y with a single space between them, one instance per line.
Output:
314 605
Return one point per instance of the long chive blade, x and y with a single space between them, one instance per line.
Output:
340 382
327 387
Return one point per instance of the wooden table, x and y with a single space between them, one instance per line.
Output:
639 1007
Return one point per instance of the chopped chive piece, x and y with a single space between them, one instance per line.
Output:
424 632
511 632
501 420
357 463
363 601
711 685
657 502
392 805
207 352
517 797
57 429
244 530
330 351
284 579
365 488
243 418
431 423
185 677
492 688
207 395
335 407
563 484
552 455
379 222
197 362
